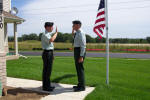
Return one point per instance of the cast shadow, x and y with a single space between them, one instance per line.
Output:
16 91
59 89
58 79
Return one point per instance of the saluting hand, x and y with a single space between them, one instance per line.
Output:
56 30
73 30
54 36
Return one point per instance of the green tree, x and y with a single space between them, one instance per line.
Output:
25 37
67 38
59 37
89 39
148 39
10 39
98 40
40 35
33 36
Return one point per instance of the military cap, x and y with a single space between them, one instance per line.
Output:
49 24
77 22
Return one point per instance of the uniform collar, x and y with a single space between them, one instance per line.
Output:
80 30
47 32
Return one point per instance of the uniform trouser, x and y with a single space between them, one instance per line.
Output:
79 67
47 57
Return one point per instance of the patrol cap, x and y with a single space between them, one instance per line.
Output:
49 24
77 22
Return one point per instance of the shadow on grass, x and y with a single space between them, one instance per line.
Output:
58 79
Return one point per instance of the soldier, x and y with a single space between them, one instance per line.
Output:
79 54
47 44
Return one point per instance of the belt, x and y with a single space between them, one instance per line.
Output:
77 47
48 50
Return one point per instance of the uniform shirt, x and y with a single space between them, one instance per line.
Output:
80 41
45 39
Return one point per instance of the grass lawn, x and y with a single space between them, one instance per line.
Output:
129 78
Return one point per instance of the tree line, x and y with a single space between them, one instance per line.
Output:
67 38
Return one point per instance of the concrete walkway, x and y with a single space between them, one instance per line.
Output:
62 91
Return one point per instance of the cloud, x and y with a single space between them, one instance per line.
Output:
122 22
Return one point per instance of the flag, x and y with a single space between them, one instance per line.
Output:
100 20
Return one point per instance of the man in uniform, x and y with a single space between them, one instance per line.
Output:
47 44
79 54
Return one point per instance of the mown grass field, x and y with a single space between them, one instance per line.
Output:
129 78
31 45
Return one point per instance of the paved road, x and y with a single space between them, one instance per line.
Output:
113 55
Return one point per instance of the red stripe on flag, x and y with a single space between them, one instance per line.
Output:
100 20
97 33
101 13
100 31
102 25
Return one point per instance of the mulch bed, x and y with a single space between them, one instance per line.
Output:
22 94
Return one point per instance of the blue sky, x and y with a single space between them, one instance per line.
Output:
19 3
127 19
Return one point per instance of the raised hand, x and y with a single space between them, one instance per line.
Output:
56 30
54 36
73 30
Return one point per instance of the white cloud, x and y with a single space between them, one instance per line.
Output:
122 23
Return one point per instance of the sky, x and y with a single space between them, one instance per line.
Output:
127 18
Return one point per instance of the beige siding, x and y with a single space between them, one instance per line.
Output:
2 58
2 38
5 38
7 5
3 69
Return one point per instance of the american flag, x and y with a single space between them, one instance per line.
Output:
100 19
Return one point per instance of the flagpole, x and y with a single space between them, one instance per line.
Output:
107 42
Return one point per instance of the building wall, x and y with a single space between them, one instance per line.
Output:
3 69
2 53
2 36
6 38
7 5
2 56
